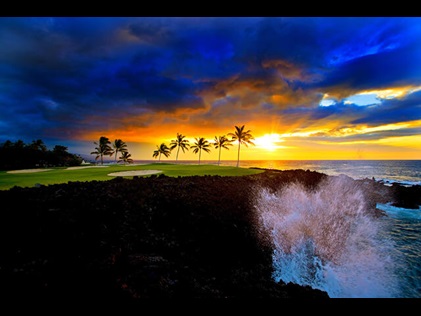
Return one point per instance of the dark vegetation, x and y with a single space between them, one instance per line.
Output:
128 240
18 155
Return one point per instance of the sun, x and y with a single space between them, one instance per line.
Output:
269 142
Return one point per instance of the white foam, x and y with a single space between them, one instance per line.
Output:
405 183
325 238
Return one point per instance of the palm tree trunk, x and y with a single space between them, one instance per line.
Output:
238 158
102 161
178 149
219 159
115 157
200 153
159 157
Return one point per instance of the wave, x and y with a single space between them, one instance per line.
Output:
399 212
405 183
326 238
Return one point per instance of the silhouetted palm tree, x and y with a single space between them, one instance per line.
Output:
221 142
119 146
180 142
161 150
243 137
199 145
125 157
103 148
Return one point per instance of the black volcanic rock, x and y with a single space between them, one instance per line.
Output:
155 237
407 197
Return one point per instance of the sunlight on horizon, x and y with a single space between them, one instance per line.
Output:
269 142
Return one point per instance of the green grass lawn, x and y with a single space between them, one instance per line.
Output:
63 175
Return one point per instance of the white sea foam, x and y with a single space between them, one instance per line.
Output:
327 239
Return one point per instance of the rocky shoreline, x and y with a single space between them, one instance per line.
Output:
156 237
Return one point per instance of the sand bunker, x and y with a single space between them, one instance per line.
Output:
133 173
28 170
74 168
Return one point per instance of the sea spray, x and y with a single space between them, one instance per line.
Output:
328 239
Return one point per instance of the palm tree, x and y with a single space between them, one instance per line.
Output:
125 157
199 145
180 142
103 148
221 142
119 146
161 150
243 137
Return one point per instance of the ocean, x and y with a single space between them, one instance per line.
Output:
405 172
324 239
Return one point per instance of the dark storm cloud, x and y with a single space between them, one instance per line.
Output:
326 113
399 67
393 111
368 136
405 109
67 63
58 73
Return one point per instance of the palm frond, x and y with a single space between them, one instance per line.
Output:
162 149
243 138
179 142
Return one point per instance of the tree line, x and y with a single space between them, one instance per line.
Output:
19 155
104 147
241 136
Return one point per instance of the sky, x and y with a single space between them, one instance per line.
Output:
306 87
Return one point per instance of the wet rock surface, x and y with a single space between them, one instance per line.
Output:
157 237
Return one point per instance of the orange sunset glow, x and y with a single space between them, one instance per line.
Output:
306 88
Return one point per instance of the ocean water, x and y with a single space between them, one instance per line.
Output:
326 240
405 172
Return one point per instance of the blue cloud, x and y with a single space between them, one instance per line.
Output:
393 111
57 72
